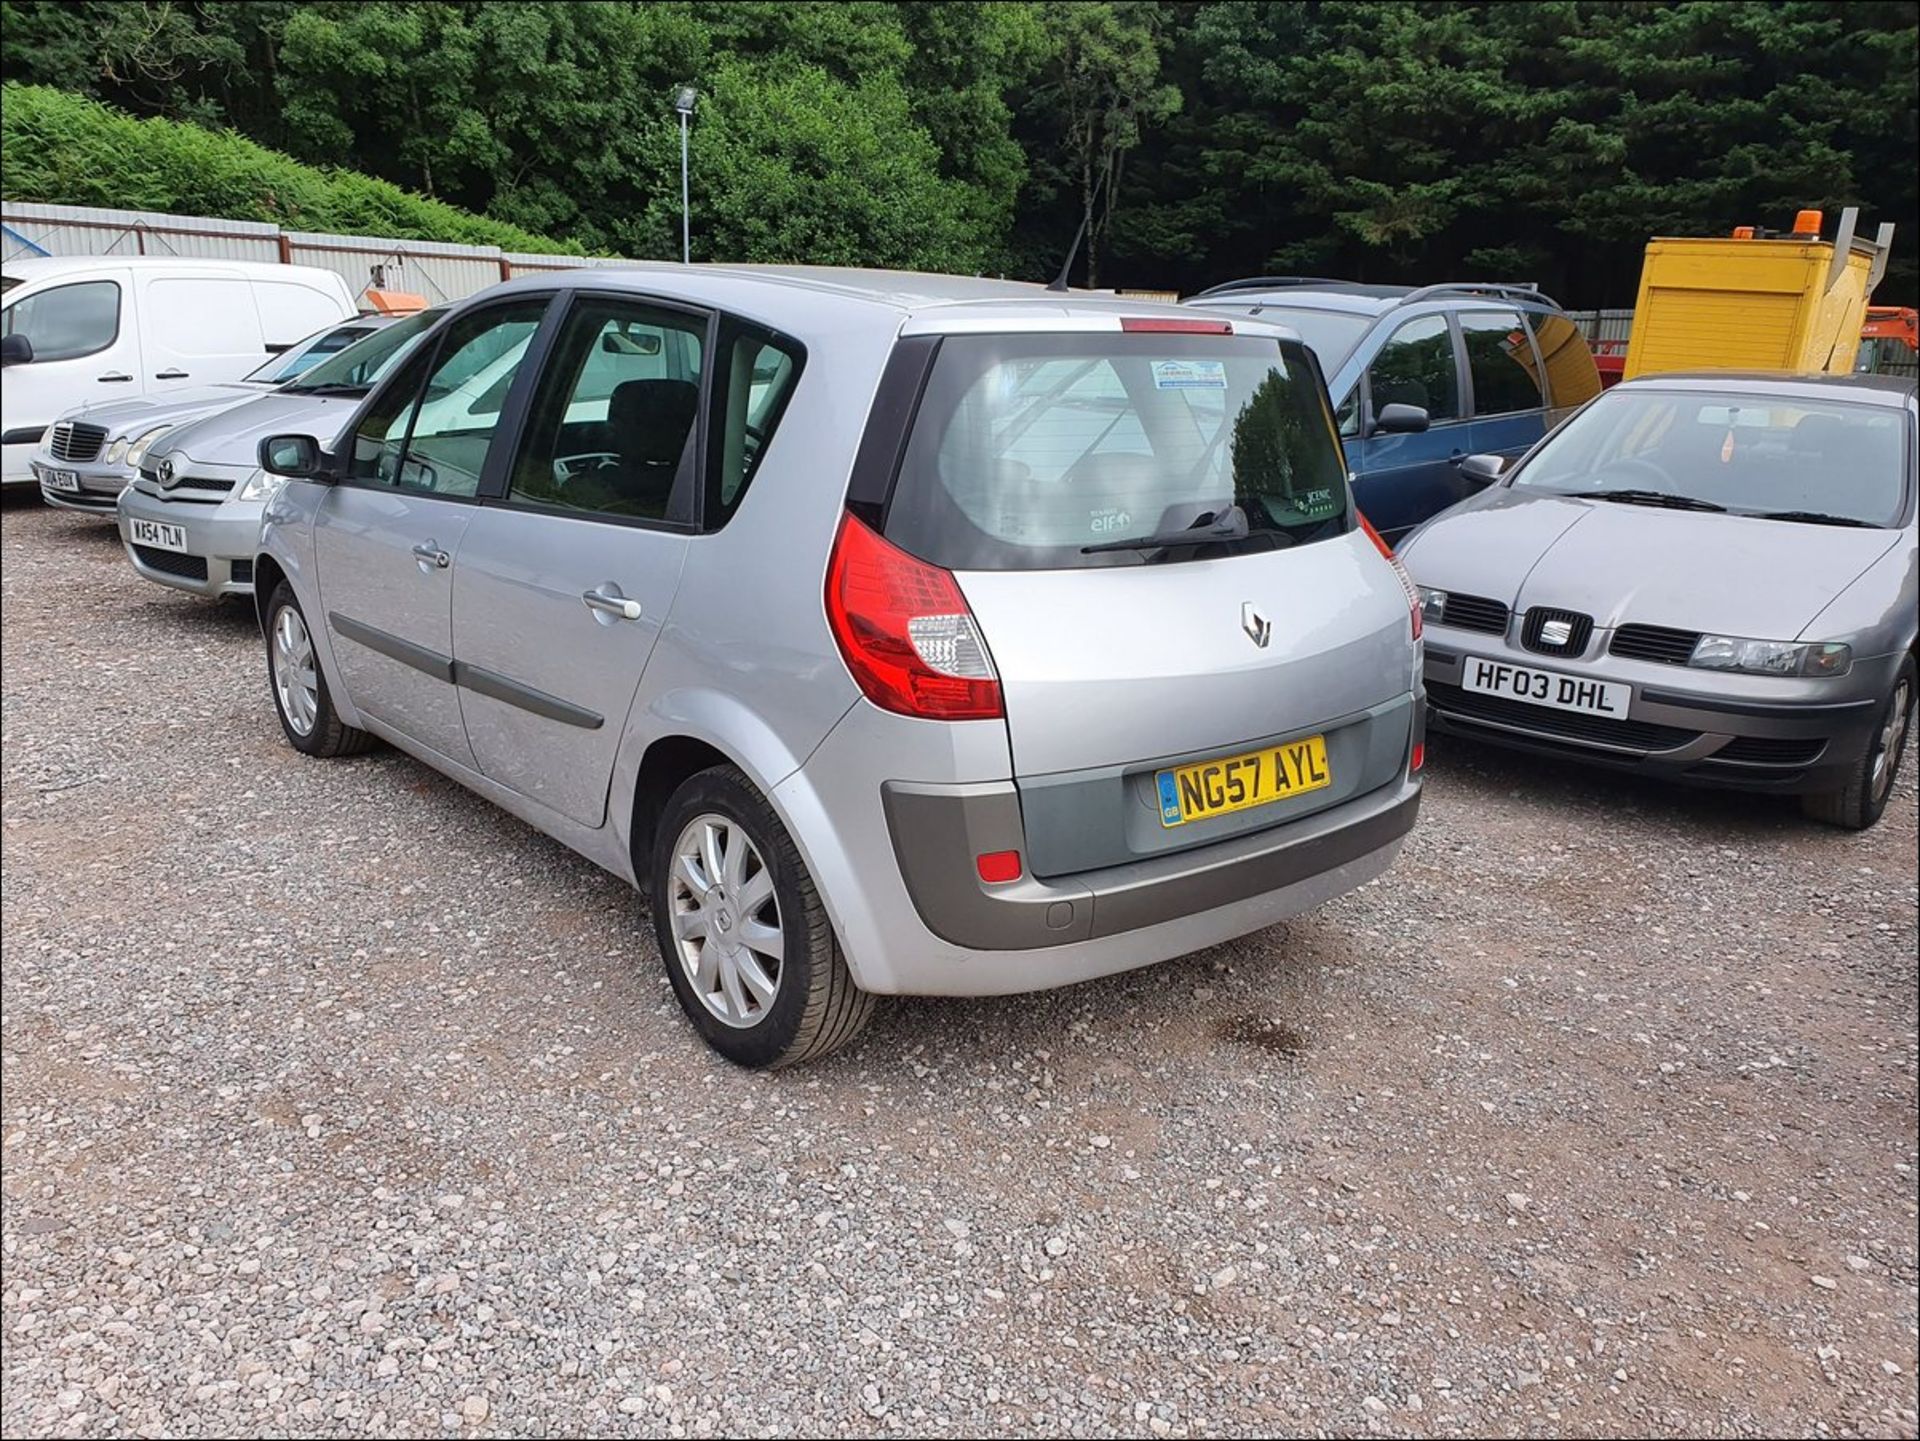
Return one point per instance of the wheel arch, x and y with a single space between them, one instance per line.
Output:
267 575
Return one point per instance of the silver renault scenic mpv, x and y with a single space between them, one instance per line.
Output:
895 633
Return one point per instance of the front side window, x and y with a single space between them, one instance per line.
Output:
1506 377
612 429
1416 367
1753 454
435 436
1049 452
68 321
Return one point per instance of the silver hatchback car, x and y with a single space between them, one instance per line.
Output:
895 633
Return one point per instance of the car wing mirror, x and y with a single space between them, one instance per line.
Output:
1399 419
15 349
1480 471
299 457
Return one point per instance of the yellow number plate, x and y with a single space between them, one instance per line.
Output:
1235 783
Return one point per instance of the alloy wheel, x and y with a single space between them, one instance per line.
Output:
295 679
1893 737
726 920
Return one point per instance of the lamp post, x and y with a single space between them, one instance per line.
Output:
683 99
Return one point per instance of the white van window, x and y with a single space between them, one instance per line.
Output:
203 316
289 311
67 321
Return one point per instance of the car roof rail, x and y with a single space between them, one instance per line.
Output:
1264 282
1505 290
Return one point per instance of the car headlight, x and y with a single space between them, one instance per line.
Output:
1433 604
261 485
137 452
1771 657
117 452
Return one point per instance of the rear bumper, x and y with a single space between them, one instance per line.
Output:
1809 743
938 831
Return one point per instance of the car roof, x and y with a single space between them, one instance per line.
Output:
1351 297
948 301
33 267
1891 390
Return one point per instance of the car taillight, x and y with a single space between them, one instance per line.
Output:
906 632
1406 580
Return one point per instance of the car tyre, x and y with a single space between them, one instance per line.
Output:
735 911
299 686
1863 799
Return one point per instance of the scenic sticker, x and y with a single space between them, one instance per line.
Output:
1189 375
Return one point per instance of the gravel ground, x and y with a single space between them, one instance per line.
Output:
337 1102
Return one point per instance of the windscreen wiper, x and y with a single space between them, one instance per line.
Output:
1221 527
1664 499
337 387
1810 517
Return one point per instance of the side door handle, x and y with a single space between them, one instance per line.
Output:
170 375
1454 457
620 607
118 377
431 557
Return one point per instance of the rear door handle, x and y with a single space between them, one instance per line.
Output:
430 554
620 607
117 377
170 375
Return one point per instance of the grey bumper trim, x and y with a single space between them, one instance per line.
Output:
474 678
938 831
1773 710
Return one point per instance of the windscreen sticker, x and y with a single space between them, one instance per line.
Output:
1189 375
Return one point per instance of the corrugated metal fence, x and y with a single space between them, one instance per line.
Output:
439 271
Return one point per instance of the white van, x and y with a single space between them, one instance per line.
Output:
84 328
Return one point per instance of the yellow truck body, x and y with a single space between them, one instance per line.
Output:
1792 304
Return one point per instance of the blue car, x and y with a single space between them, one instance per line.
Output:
1423 378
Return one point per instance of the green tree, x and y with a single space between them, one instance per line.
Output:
1100 89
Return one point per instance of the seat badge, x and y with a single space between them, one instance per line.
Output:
1556 632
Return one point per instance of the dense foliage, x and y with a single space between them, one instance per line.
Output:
73 151
1384 139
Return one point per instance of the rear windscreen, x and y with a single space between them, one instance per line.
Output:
1028 449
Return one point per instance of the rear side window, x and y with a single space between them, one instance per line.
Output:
612 430
758 374
1506 376
1027 449
67 321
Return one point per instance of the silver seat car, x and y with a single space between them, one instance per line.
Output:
1710 578
191 518
894 633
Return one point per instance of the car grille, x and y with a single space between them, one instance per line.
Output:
195 488
1475 612
1566 725
1580 631
1771 751
1655 642
75 441
241 572
83 499
188 567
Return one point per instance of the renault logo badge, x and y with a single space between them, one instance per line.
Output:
1258 628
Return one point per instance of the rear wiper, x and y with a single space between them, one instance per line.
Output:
1214 528
1810 517
1647 497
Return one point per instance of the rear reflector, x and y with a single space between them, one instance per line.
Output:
906 632
1419 756
998 867
1168 325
